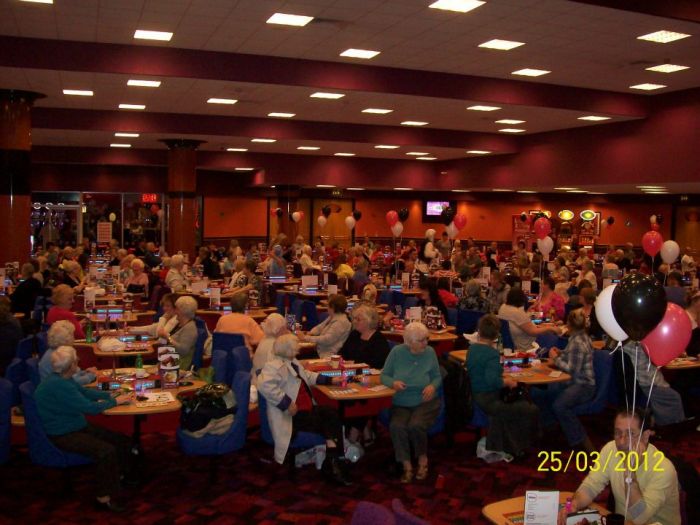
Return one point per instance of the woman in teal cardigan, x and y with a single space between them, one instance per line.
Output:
412 370
512 426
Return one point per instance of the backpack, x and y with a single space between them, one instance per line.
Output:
212 401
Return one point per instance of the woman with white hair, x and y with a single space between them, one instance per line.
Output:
175 279
166 322
305 260
62 333
184 336
286 386
273 327
62 404
412 370
138 282
62 299
72 276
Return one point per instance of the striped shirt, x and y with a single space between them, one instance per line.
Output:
577 359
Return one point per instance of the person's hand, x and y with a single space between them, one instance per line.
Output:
553 353
123 399
399 385
162 332
293 409
510 382
302 337
428 393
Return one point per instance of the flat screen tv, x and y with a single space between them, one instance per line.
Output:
433 209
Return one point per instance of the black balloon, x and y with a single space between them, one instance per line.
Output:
447 215
403 214
279 213
639 304
357 215
326 210
611 220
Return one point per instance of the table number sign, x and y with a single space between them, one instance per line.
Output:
541 508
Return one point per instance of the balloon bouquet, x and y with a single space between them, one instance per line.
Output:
395 221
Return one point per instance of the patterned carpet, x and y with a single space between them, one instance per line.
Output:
251 489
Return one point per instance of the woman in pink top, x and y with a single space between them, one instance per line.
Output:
62 298
550 303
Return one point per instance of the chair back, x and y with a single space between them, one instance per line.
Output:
451 317
16 373
240 360
219 361
297 310
226 342
41 308
386 297
283 303
505 335
33 371
25 347
547 341
603 370
403 517
42 342
308 309
397 299
368 513
41 450
468 321
5 418
202 335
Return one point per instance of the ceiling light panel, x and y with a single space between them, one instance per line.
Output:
39 1
118 145
663 36
501 45
143 83
414 123
594 118
344 154
365 54
308 148
478 152
458 6
509 121
126 135
647 86
240 150
264 141
385 146
78 92
530 72
356 189
403 189
328 96
289 20
132 106
483 108
143 34
418 153
281 115
512 130
377 111
229 101
426 158
667 68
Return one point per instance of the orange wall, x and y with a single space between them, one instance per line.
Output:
235 217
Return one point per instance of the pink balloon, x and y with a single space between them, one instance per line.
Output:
460 221
670 338
652 242
392 217
543 228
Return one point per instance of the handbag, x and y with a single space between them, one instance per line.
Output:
209 402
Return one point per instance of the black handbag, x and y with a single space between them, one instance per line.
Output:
209 402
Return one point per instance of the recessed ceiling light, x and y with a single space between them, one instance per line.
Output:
403 189
651 187
127 135
526 191
342 154
385 146
531 72
153 35
501 189
501 45
289 20
461 191
483 108
281 115
561 188
418 153
667 68
377 111
78 92
356 189
648 87
117 145
237 149
478 152
39 1
143 83
657 192
273 187
414 123
510 121
511 130
426 158
222 101
309 148
329 96
325 186
663 36
597 193
593 118
576 191
460 6
132 106
267 141
244 169
359 53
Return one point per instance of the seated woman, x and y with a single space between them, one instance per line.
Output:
512 426
429 296
412 370
72 276
330 334
588 298
166 322
369 294
175 278
138 282
342 268
448 298
63 404
10 334
277 266
62 298
558 401
549 302
273 327
522 329
472 298
246 281
286 386
307 264
62 333
184 336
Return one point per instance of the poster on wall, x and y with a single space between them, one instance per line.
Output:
104 232
521 232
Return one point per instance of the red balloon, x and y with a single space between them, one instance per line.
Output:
273 211
544 228
154 209
460 221
301 215
652 242
392 217
670 338
655 227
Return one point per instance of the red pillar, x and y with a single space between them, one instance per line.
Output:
15 168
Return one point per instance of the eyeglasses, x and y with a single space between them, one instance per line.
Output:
625 433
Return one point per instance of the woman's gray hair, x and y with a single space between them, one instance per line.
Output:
273 325
286 346
369 313
63 358
61 333
139 263
415 332
176 261
187 306
472 288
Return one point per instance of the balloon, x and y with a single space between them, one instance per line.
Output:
403 214
545 246
671 336
112 217
350 222
397 229
523 217
273 211
297 216
652 219
447 215
611 220
160 213
460 221
326 210
322 221
392 217
604 314
357 215
452 230
542 228
301 214
651 242
279 213
655 227
430 234
639 304
670 251
154 208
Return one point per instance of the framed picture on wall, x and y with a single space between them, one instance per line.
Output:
590 227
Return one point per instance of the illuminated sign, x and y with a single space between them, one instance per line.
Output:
587 215
149 197
566 215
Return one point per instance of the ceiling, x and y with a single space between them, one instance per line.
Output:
429 69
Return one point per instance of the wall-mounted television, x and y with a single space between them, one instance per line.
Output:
433 208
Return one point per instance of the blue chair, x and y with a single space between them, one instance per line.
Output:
226 342
506 338
397 299
25 348
41 308
230 441
282 300
33 371
392 343
240 359
219 361
297 310
467 321
452 317
386 297
42 343
16 373
308 309
301 441
42 451
322 316
603 370
5 417
410 302
202 335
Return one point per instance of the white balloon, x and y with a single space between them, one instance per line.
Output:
652 219
452 230
322 221
430 234
397 229
605 316
670 251
350 222
545 245
296 216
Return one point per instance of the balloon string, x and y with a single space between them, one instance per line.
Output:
628 486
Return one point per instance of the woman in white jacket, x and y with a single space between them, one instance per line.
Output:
286 386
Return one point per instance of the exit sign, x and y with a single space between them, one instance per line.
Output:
149 197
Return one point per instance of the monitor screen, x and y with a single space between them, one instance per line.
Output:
434 208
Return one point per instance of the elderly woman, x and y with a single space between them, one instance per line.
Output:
412 370
498 291
184 336
522 329
472 299
330 334
72 276
277 267
549 302
138 282
246 281
62 404
166 322
62 298
125 267
369 294
587 274
307 264
285 384
273 327
62 333
512 426
10 334
175 279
